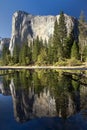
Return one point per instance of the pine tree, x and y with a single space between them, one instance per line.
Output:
68 44
50 51
82 34
85 54
5 55
16 54
50 54
62 28
36 49
25 54
59 37
42 57
4 61
75 51
62 34
56 42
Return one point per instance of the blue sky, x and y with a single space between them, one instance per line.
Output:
37 7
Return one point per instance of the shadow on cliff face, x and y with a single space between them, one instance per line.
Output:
27 31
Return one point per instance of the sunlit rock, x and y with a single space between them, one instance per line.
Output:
26 27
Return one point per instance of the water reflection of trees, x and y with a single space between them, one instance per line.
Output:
46 93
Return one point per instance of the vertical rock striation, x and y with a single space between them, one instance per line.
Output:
26 27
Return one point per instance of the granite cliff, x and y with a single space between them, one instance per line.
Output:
26 27
4 41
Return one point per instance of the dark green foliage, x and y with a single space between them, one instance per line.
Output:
42 57
37 83
25 54
59 38
75 85
50 55
75 51
56 42
62 28
56 51
16 54
36 49
5 56
62 36
68 44
54 48
85 54
82 34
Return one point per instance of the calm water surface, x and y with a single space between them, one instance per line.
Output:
43 100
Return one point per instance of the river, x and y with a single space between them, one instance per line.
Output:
44 99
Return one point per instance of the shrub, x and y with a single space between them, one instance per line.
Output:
61 63
73 62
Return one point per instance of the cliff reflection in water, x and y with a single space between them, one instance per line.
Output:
45 93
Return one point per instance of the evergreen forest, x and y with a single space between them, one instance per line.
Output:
59 50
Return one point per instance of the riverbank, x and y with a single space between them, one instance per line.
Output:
43 67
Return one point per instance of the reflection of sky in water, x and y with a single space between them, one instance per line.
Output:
7 121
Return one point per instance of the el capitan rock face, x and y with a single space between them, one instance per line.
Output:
26 27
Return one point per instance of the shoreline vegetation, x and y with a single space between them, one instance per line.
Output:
60 51
83 67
